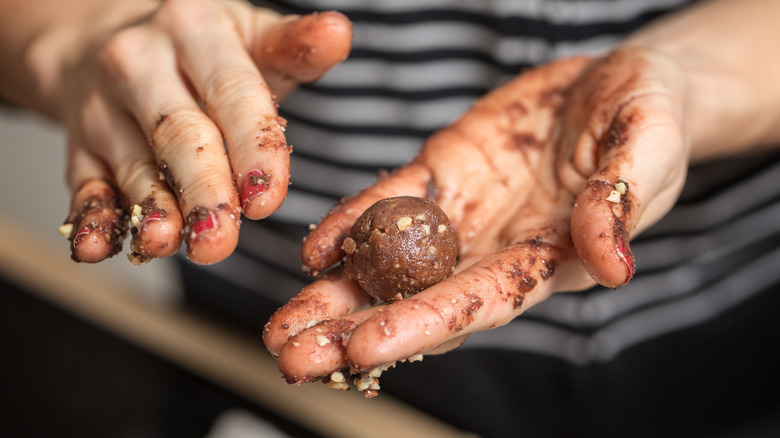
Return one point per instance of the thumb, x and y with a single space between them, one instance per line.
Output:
640 171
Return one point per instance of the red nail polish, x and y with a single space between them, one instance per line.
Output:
151 217
201 220
255 183
625 254
78 237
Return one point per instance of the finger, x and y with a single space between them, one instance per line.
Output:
638 175
331 296
319 350
155 220
236 97
484 296
96 225
300 49
322 247
188 147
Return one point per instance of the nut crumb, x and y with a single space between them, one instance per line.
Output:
341 386
322 340
416 358
404 223
65 230
621 187
441 228
614 196
311 323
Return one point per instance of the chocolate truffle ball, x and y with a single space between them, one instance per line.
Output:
400 246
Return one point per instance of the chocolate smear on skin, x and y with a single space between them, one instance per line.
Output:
523 140
165 174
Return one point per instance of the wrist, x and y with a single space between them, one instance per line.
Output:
727 52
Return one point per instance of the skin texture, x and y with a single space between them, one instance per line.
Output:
151 92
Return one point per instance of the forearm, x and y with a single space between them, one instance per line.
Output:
40 39
729 50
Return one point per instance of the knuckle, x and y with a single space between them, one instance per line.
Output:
180 16
117 56
230 85
132 171
182 125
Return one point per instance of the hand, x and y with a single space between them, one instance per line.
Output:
152 99
544 180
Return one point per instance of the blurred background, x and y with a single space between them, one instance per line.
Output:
108 350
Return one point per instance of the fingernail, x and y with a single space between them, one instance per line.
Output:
624 250
138 219
79 236
201 220
255 184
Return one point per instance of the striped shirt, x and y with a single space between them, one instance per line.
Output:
416 65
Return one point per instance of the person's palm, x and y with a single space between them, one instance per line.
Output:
544 180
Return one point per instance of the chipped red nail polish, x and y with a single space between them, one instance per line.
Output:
201 220
255 183
625 254
78 237
151 217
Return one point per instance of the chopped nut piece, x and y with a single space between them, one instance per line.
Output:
614 196
311 323
341 386
366 382
621 187
322 340
416 358
376 372
137 216
65 230
312 227
404 223
138 259
338 377
441 228
427 229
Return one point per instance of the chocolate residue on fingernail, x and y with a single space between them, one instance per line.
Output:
255 183
199 221
110 224
623 249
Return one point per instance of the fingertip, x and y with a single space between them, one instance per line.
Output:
95 242
261 194
600 226
97 225
304 48
211 234
158 234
